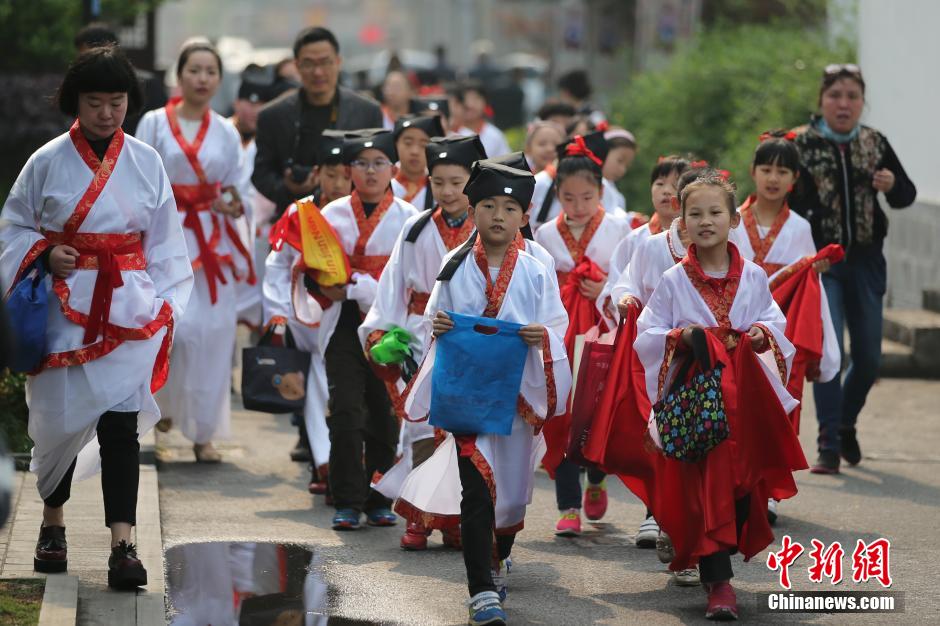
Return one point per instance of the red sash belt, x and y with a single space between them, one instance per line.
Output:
110 254
193 199
418 302
368 264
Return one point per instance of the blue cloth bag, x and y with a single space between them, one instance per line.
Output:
28 307
477 375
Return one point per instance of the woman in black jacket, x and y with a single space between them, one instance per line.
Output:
845 165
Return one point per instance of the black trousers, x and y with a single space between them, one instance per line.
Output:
120 469
716 567
477 520
363 428
568 484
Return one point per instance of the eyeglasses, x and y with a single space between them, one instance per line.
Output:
316 64
842 68
365 166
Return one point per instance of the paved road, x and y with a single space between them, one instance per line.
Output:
258 494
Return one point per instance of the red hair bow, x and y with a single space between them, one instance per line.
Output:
725 174
789 136
577 147
698 164
602 126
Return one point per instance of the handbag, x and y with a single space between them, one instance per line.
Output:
593 370
477 374
274 378
28 309
691 418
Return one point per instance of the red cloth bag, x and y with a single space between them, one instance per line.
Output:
592 376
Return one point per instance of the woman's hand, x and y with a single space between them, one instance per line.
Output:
822 266
590 288
883 180
532 334
757 337
441 324
62 260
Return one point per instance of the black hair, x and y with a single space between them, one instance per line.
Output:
577 83
577 165
779 151
197 46
314 34
708 177
551 109
687 177
578 119
94 35
667 165
103 69
473 85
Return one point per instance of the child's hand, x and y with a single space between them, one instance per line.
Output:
532 334
441 324
625 303
590 288
756 335
62 260
822 266
336 293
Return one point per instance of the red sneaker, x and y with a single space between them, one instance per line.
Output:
415 537
595 501
722 603
452 538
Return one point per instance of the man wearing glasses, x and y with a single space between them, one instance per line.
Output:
290 127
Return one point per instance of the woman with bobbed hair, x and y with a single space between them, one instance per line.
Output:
94 208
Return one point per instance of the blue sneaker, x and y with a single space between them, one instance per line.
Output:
381 517
486 610
501 578
346 519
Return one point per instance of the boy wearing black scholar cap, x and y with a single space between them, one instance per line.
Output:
367 224
402 296
332 174
491 276
412 134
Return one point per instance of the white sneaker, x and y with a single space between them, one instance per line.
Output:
664 549
687 577
649 531
772 511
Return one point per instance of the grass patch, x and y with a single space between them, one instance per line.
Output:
20 600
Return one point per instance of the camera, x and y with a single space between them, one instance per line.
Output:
299 173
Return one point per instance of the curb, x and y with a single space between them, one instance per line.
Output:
59 601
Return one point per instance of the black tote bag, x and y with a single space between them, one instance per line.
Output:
274 378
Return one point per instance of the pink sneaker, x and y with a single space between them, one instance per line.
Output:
722 602
569 524
595 501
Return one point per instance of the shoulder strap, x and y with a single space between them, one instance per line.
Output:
418 226
546 203
448 271
428 197
527 232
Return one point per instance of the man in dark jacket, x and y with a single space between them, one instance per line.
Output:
290 126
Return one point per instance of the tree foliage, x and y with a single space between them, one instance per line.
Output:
38 35
718 95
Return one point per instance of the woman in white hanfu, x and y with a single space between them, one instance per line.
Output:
94 207
202 154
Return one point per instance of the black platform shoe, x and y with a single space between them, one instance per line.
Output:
52 553
125 571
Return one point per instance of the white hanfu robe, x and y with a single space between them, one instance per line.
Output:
401 298
422 198
197 395
652 258
63 196
619 261
283 281
544 185
676 304
601 241
492 138
774 248
524 293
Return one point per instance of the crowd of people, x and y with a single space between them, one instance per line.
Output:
456 352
